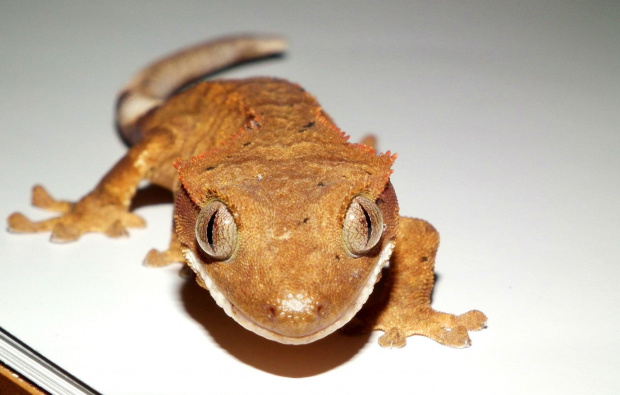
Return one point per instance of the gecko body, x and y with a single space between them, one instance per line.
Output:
286 223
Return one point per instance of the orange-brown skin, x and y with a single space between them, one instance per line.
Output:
264 150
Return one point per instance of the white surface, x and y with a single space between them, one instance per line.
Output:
506 119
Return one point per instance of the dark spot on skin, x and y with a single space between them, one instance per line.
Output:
367 172
304 221
337 257
424 259
306 127
210 168
246 144
320 184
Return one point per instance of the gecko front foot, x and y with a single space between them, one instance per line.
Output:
447 329
156 258
174 254
90 214
403 304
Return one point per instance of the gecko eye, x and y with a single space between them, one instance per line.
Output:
362 227
216 230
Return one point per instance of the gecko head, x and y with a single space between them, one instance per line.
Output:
290 251
293 272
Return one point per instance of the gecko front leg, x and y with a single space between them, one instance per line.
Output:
106 208
403 307
174 254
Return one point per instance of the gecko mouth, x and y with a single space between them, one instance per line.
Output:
250 324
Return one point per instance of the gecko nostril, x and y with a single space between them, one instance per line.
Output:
270 312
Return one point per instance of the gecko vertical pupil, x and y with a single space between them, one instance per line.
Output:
362 226
368 225
216 230
210 229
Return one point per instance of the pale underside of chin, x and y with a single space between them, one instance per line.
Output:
250 324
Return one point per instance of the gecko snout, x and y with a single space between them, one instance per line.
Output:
295 314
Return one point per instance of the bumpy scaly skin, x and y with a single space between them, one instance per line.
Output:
265 148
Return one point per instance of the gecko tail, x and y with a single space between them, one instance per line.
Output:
156 82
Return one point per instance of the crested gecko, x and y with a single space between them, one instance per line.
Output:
286 224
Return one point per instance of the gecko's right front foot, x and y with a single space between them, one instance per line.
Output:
90 214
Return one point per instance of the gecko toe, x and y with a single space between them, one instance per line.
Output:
18 223
116 229
42 199
392 338
473 320
64 234
456 337
133 221
156 258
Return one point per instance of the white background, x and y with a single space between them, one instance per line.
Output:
506 120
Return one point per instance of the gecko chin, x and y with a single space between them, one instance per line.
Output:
296 318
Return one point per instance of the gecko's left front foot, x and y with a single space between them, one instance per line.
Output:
403 307
447 329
